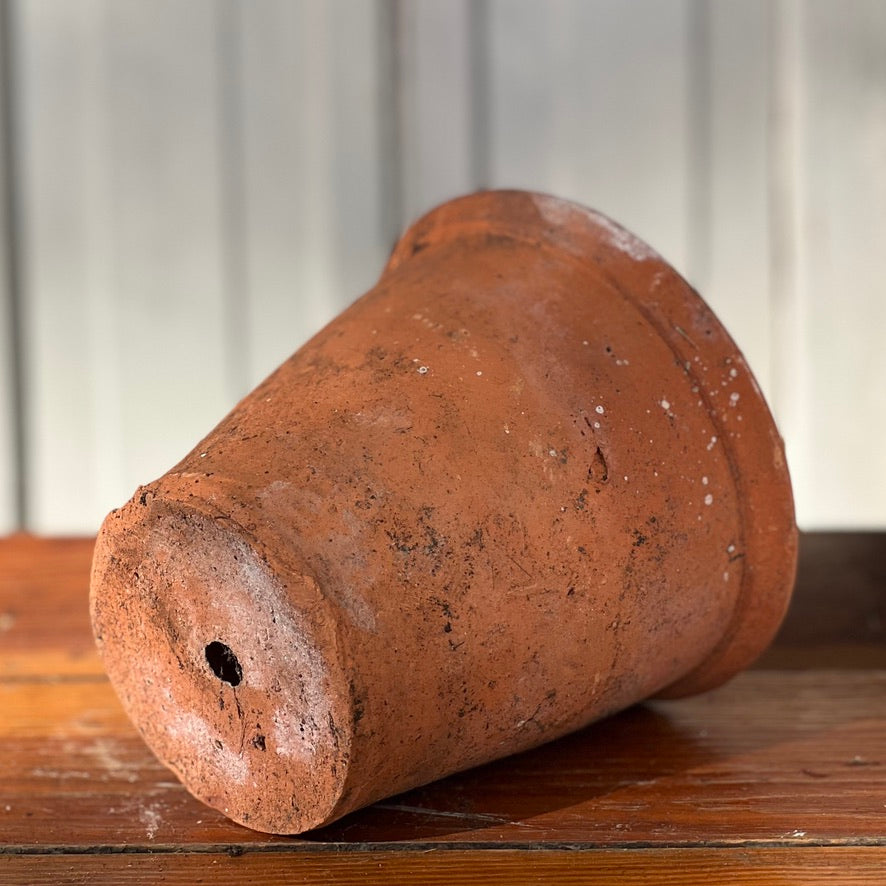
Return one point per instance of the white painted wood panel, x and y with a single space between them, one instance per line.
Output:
8 516
121 259
437 103
313 213
204 185
731 257
837 452
589 100
8 418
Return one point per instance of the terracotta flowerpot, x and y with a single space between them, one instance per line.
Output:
524 482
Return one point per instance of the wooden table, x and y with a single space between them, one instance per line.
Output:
780 776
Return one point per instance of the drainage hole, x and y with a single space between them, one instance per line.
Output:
224 663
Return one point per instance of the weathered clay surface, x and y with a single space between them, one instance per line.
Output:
525 481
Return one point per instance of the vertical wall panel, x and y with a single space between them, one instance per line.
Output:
840 462
733 273
436 84
790 353
590 100
313 212
203 185
8 417
121 247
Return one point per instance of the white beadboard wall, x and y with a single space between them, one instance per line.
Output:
198 187
9 426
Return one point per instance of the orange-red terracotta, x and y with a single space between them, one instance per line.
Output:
524 482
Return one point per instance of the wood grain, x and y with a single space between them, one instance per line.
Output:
779 776
773 757
694 867
44 617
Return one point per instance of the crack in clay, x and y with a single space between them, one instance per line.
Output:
193 730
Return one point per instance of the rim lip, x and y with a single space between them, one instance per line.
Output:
757 465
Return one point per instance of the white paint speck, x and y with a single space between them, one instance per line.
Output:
734 397
709 499
422 370
596 426
479 372
712 443
599 410
665 404
585 342
704 481
552 453
203 454
733 373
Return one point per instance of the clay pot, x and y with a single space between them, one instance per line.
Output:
525 481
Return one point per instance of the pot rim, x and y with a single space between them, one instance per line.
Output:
755 455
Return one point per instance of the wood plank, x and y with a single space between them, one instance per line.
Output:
774 759
771 758
837 618
831 865
44 617
121 247
590 101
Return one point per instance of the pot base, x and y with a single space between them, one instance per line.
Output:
227 669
